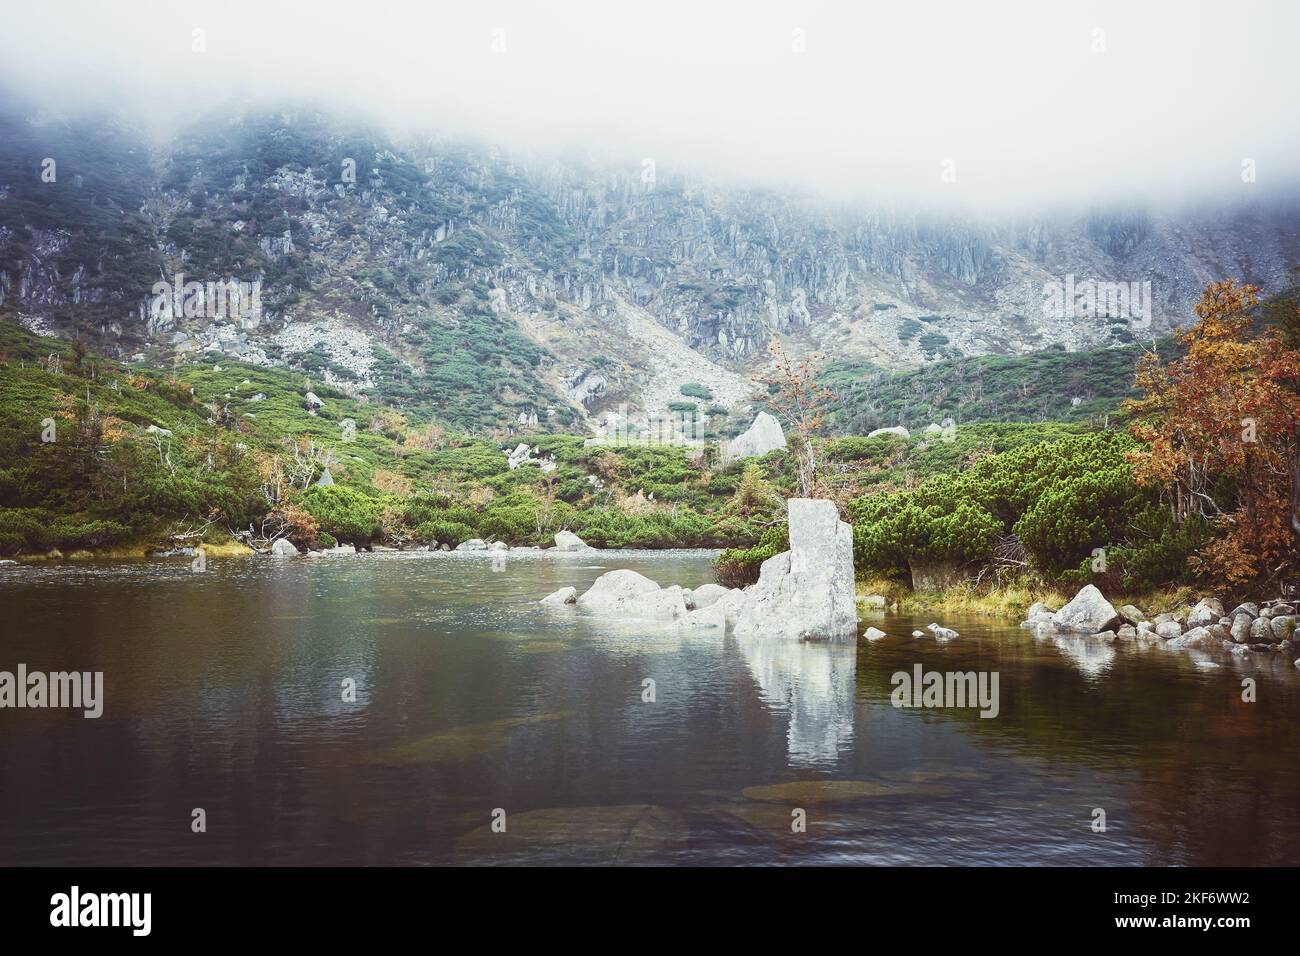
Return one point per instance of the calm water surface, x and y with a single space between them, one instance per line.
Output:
224 691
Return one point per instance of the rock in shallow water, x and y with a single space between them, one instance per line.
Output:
707 594
568 541
563 596
807 592
1039 610
1240 630
1088 613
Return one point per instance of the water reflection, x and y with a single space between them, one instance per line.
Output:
1091 656
224 690
813 683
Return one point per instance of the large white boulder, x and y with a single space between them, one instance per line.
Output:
1208 611
763 436
898 430
1088 613
630 595
568 541
807 592
517 457
283 548
707 594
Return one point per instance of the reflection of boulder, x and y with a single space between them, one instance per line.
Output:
808 591
814 683
1091 656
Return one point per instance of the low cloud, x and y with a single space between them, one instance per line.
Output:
1004 105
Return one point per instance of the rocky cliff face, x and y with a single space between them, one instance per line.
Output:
482 287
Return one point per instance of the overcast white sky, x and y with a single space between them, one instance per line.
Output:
1014 93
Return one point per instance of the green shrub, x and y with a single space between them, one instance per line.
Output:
351 516
444 532
739 567
696 390
1060 499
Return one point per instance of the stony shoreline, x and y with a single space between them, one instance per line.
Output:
1266 627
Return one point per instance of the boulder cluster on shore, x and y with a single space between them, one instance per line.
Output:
1263 627
564 541
806 593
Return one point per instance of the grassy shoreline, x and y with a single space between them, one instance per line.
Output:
1011 600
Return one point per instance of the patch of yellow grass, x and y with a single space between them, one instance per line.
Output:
1010 599
226 549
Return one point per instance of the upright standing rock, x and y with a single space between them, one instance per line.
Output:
807 592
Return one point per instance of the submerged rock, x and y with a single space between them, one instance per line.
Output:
638 834
712 616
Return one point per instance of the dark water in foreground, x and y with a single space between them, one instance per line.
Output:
224 692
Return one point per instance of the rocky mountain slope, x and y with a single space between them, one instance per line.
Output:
496 291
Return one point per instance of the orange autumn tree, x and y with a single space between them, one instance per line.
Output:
1222 433
801 403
